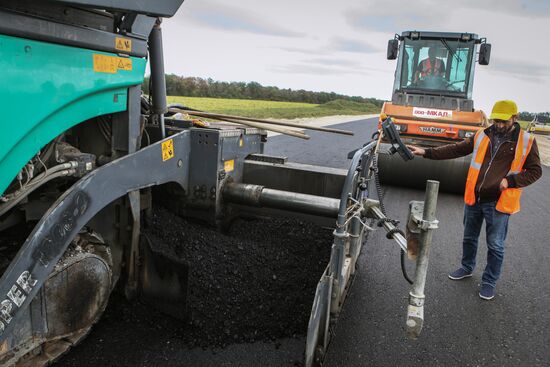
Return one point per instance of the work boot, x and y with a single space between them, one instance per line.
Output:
459 274
487 291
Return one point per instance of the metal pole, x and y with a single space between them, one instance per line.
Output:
256 195
271 122
415 310
158 80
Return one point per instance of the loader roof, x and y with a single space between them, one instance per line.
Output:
448 35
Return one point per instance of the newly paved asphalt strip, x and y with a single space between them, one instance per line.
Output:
460 329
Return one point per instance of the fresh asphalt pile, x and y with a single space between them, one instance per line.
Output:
255 283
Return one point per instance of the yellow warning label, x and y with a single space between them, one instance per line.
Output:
123 44
229 166
167 150
124 64
105 64
111 64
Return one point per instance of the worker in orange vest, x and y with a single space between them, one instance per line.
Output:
430 66
505 159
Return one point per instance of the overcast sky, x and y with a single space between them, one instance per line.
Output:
340 46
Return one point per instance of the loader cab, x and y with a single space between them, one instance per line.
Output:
435 69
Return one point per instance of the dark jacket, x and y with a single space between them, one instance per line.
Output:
494 170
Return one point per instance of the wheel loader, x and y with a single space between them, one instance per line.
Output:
83 152
432 103
537 127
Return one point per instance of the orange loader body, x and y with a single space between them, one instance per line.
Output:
432 126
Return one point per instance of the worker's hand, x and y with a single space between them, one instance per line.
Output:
416 150
503 184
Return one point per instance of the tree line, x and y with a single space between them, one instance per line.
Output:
199 87
543 117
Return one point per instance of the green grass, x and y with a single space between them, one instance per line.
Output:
272 109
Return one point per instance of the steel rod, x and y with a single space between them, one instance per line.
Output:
296 134
256 195
270 122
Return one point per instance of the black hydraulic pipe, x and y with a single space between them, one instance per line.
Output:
158 80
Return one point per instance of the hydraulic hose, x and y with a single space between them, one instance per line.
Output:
61 170
381 201
404 269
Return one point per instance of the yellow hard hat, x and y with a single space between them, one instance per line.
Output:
504 110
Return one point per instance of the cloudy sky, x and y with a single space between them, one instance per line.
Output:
340 46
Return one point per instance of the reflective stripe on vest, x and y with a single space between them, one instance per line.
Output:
481 141
427 66
509 201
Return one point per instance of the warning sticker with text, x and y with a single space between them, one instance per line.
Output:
111 64
124 64
123 44
432 113
167 150
229 166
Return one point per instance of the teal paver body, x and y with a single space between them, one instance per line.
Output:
46 89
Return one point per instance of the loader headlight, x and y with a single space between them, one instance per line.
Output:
466 134
401 128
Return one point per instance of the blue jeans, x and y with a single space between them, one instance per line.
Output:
496 224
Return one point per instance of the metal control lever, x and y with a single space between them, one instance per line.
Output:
397 145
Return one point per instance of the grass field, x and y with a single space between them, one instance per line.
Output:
271 109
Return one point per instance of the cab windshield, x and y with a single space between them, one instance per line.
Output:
436 66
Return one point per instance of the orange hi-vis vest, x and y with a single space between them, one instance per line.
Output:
427 67
509 201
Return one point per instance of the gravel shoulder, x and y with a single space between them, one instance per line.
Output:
323 121
543 142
